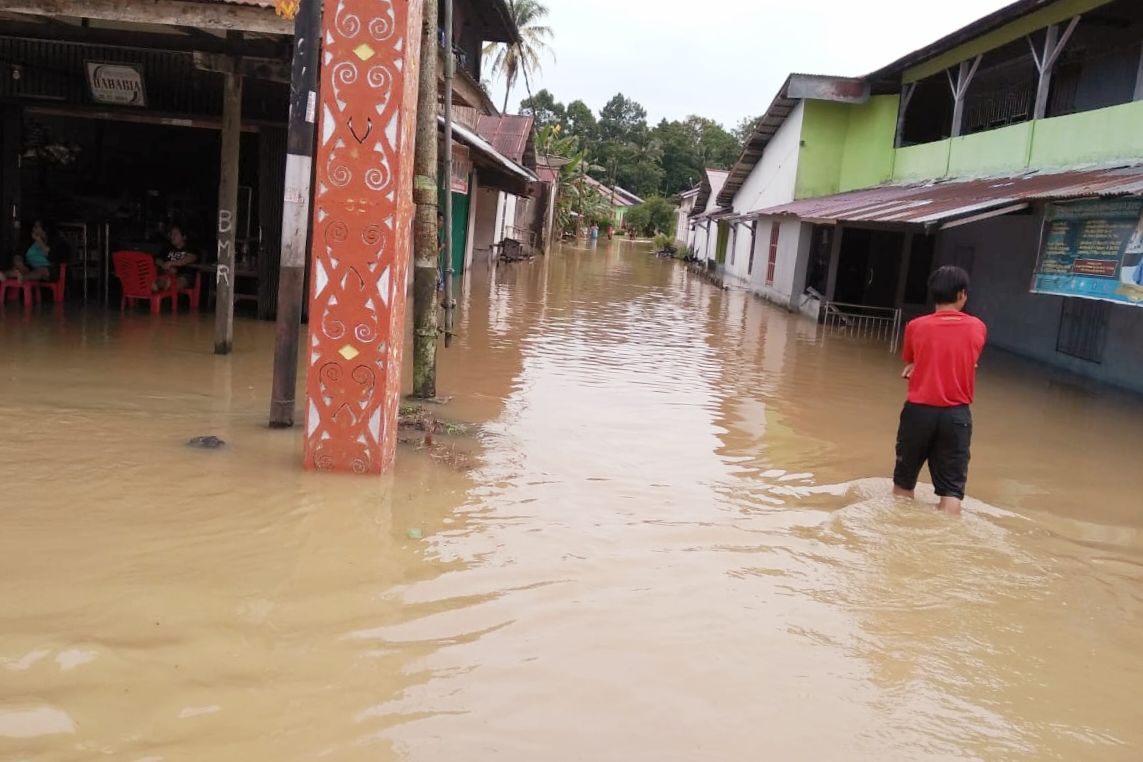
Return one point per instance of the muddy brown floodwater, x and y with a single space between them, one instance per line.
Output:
675 542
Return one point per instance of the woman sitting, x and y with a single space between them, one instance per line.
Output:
37 261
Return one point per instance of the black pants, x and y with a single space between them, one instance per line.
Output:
940 435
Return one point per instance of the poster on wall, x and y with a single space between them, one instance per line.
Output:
1093 250
461 168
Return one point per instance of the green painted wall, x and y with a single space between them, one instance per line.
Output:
1052 14
1093 136
824 129
868 156
989 152
460 203
1103 135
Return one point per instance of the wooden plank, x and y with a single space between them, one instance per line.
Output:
213 16
227 213
70 34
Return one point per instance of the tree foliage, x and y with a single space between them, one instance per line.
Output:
511 59
653 216
661 160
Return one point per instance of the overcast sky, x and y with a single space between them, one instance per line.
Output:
725 59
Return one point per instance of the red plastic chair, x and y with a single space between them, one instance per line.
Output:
11 286
137 274
193 293
55 288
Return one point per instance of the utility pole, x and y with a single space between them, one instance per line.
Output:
296 211
227 210
426 252
450 70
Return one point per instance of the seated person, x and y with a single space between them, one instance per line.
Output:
175 261
37 262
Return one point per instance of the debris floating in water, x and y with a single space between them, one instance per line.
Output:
206 443
414 534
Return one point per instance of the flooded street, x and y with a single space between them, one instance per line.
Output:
675 542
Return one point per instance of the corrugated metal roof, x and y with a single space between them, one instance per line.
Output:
712 182
932 203
483 147
510 134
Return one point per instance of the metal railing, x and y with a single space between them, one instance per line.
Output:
862 322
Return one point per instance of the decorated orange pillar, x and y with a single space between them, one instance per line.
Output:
363 208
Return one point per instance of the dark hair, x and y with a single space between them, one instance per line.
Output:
946 284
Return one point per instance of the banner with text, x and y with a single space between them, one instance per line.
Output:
1093 250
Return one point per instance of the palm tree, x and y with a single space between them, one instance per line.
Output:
514 58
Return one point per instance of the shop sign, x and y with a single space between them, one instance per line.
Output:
1093 250
461 168
116 84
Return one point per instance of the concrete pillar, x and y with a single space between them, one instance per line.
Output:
363 209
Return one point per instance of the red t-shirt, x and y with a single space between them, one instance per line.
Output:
944 348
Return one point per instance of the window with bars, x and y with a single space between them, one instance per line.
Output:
772 265
1083 329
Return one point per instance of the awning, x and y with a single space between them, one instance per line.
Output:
951 202
516 176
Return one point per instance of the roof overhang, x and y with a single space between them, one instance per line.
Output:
795 89
949 203
499 171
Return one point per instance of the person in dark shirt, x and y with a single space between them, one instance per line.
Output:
941 355
174 261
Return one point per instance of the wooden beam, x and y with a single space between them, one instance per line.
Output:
214 16
1046 59
227 213
1139 80
965 72
272 71
906 98
70 34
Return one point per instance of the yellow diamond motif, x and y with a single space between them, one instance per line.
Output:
348 352
364 52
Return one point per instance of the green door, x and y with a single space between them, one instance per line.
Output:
460 202
723 238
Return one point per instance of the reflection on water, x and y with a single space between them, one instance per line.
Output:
677 544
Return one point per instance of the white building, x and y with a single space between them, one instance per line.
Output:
683 217
769 256
703 237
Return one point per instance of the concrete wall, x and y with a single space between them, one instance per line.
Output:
486 220
770 183
1090 137
682 224
1004 257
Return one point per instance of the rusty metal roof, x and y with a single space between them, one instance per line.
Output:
511 135
941 202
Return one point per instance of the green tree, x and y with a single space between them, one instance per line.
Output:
622 120
681 161
544 108
511 59
745 129
580 121
655 215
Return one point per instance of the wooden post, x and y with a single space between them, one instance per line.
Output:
965 72
296 211
1046 61
426 262
362 235
903 272
906 97
227 213
449 73
1139 79
834 262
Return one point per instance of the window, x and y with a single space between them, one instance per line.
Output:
1083 329
775 230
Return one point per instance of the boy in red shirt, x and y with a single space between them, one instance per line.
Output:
941 353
